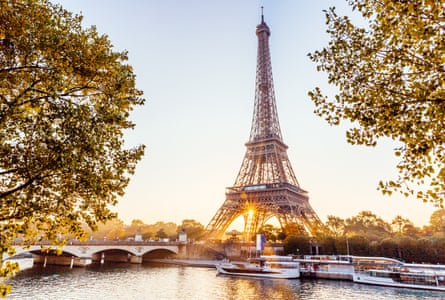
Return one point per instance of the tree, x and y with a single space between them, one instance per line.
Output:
270 232
369 225
437 221
136 227
65 99
161 234
390 248
409 249
192 228
294 229
336 226
358 245
116 230
169 229
281 236
298 245
328 245
110 230
390 75
402 226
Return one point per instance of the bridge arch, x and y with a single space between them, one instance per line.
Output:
52 252
159 253
105 249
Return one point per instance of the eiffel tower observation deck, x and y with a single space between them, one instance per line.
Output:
266 185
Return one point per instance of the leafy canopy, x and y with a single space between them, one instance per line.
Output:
391 81
65 98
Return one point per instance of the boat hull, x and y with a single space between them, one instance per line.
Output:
364 278
258 272
326 275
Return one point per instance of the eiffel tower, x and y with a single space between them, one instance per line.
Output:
266 185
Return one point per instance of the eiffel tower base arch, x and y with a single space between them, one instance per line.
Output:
257 204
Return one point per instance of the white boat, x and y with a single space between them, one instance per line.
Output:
325 266
265 266
341 267
439 269
402 278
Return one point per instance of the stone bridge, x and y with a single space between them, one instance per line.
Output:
77 253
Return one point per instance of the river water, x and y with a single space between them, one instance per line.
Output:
156 281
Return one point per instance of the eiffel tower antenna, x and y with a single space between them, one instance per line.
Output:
266 185
262 14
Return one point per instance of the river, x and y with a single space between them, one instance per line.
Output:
156 281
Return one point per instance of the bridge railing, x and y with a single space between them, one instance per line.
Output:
108 242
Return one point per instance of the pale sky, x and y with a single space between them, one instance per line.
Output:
195 61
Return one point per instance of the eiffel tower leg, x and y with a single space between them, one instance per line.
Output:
222 220
253 224
250 225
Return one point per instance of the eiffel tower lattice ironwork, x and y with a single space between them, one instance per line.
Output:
266 185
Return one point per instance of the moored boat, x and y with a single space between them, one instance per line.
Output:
325 266
265 267
402 278
437 268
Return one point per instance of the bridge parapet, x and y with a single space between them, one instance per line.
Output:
110 242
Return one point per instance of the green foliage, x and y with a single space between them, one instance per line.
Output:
359 245
367 224
136 227
115 229
169 229
298 245
9 269
390 77
335 226
402 226
390 248
270 232
111 229
161 234
408 248
192 228
369 235
437 221
65 99
4 290
329 245
293 229
281 236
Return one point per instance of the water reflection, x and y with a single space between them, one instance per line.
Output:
154 281
246 288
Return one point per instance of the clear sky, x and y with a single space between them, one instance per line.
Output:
195 60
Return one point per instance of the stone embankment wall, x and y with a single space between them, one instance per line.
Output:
226 250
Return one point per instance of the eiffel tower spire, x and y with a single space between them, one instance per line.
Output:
266 185
265 125
265 118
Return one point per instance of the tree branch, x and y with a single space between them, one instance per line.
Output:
21 68
8 171
18 188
